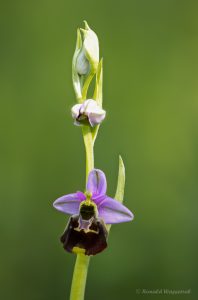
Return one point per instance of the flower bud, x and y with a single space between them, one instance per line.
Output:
88 57
82 64
89 112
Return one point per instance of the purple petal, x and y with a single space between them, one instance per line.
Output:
69 204
112 211
97 184
98 199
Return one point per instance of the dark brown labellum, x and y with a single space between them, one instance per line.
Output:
93 240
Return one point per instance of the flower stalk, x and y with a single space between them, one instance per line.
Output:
89 149
82 261
79 277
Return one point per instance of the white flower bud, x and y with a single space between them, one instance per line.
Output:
89 112
88 57
82 64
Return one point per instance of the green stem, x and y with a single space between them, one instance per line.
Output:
82 260
79 277
89 149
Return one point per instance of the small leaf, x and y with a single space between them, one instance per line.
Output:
98 94
98 85
119 195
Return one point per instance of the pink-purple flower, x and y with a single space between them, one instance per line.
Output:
89 212
108 209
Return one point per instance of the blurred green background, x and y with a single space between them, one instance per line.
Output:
150 51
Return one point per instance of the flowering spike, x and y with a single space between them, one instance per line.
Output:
93 211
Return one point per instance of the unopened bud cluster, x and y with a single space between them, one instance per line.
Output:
84 68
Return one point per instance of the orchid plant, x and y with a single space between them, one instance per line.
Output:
92 211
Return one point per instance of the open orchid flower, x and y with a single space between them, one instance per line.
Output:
89 112
90 212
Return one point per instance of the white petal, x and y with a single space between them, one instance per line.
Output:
96 118
76 110
91 46
88 104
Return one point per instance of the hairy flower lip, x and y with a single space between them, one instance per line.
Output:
89 237
109 210
89 112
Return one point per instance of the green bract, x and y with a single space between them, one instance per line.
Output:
75 75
